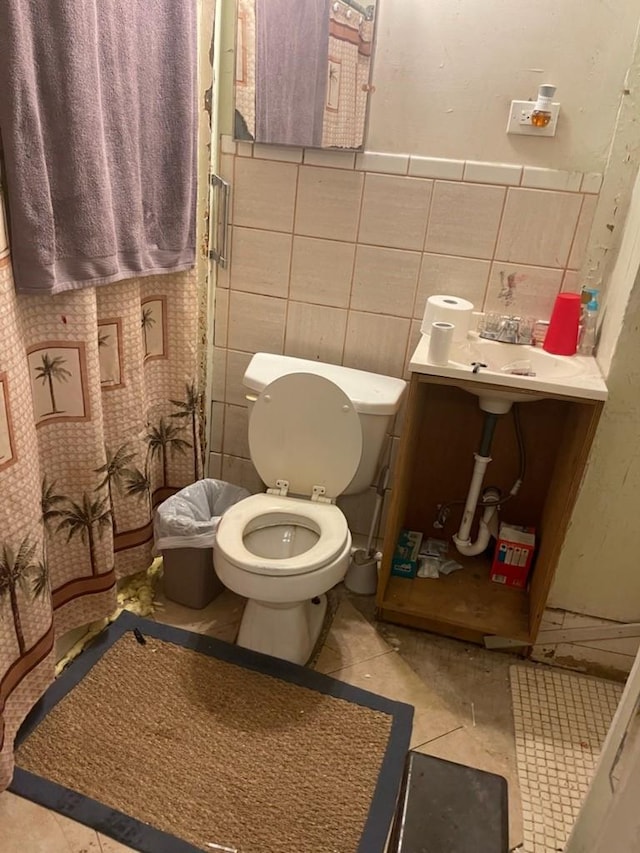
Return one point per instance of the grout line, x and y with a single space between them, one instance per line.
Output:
439 737
495 248
573 239
390 651
409 251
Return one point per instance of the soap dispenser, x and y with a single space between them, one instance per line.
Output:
587 337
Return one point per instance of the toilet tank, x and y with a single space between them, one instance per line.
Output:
375 398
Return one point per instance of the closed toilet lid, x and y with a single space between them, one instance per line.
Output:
304 429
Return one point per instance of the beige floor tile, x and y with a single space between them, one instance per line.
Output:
218 619
351 640
464 747
29 828
389 675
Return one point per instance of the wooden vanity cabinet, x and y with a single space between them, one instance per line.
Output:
442 429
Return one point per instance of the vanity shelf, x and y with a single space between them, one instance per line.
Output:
441 432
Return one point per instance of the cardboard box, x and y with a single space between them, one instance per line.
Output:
513 555
405 558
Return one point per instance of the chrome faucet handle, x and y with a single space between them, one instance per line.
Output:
507 328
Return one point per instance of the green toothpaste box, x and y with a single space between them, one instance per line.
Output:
405 558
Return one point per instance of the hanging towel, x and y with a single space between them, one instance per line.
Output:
292 48
98 123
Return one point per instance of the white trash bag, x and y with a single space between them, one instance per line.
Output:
190 518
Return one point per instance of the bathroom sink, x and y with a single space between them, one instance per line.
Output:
523 373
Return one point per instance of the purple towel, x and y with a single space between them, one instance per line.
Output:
292 65
98 121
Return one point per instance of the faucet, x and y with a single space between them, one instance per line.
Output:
507 329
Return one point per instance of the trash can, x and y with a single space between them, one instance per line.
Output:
184 531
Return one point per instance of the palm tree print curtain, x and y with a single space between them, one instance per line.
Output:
99 422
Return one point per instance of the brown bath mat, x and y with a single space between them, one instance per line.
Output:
177 742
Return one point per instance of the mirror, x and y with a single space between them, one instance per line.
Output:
303 72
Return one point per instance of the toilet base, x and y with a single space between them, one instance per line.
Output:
288 631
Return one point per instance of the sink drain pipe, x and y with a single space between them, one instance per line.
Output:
488 521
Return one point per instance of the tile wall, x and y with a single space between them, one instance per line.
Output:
333 256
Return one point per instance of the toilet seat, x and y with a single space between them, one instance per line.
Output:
325 518
304 431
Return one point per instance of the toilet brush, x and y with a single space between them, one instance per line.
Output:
362 574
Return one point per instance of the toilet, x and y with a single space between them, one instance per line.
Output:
316 431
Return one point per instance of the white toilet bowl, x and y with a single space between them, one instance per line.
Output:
282 554
285 549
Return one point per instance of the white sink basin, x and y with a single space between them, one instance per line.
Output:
569 376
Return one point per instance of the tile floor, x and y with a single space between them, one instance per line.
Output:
561 721
460 693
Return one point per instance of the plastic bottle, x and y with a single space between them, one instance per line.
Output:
587 339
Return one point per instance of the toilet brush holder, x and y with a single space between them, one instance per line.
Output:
362 574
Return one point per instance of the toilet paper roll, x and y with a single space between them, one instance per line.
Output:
448 309
440 342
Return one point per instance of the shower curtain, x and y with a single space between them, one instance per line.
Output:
350 38
99 422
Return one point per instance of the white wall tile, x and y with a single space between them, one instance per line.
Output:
244 149
226 167
552 618
532 290
264 194
222 273
445 274
241 472
315 332
358 510
214 466
333 159
328 203
284 153
256 323
261 261
551 179
414 339
538 226
464 219
385 280
622 645
218 373
216 427
376 343
591 182
321 271
390 164
436 167
571 281
394 211
237 363
236 431
227 144
221 317
583 231
492 173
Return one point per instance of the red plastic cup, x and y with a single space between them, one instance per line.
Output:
562 337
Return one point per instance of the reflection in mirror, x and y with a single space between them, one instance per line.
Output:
303 71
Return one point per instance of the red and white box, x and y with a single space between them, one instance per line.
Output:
513 555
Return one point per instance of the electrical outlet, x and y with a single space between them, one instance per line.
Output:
520 119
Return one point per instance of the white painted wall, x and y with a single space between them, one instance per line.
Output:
445 72
598 570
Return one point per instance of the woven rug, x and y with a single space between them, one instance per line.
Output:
561 720
171 741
